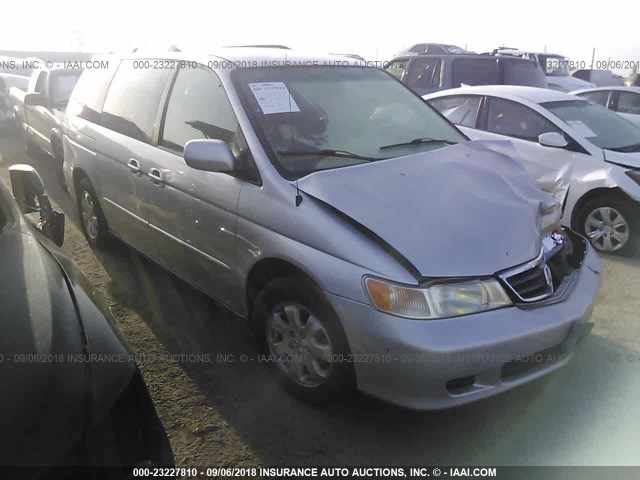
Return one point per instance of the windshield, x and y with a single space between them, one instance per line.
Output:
554 65
602 127
62 84
350 111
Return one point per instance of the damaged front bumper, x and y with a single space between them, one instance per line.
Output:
436 364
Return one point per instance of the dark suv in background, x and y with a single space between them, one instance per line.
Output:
429 73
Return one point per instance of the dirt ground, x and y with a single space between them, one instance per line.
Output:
223 413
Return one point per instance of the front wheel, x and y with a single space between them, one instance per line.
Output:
609 223
306 344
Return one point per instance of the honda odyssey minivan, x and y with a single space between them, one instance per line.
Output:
369 243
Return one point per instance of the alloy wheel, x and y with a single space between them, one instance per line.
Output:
607 229
89 215
299 344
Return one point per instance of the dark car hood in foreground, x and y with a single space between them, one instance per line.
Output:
51 318
42 392
457 211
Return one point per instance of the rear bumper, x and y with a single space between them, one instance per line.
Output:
438 364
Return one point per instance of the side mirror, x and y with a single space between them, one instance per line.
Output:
27 186
34 99
29 193
552 139
209 156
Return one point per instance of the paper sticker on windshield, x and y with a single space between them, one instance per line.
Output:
274 97
581 128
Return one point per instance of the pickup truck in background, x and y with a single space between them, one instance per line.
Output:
8 80
39 110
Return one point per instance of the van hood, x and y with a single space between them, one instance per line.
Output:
457 211
631 159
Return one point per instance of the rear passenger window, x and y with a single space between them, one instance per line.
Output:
460 110
198 109
600 97
89 93
131 106
41 83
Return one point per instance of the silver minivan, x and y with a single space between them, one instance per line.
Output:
365 238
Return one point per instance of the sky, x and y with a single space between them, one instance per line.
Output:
374 30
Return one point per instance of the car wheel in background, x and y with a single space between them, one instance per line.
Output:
58 158
610 224
29 147
306 343
92 219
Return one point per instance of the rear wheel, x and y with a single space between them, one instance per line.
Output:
92 219
306 344
610 223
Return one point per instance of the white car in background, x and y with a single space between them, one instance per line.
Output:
623 100
558 131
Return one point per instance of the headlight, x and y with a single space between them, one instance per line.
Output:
436 301
634 174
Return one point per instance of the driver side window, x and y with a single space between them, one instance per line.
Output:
40 83
512 119
198 109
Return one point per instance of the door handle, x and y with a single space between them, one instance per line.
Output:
134 166
156 176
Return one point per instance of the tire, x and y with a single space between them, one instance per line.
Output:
58 158
92 219
610 223
30 148
314 343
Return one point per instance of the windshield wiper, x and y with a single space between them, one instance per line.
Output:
629 148
329 153
418 141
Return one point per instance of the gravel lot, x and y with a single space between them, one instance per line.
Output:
230 414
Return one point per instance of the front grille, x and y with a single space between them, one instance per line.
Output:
530 282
